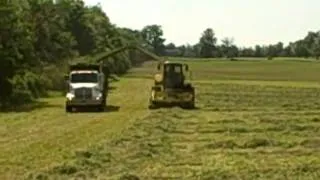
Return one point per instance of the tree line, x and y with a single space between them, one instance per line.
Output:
208 47
38 38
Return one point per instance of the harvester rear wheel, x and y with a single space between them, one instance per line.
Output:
188 105
152 105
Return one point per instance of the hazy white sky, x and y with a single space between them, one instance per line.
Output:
249 22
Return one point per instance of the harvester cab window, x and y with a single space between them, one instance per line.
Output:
173 76
177 69
173 69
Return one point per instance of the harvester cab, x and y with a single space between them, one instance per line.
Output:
173 74
170 88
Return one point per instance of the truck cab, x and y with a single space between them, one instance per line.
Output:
86 86
86 78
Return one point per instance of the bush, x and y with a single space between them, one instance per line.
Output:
53 77
21 93
38 85
26 87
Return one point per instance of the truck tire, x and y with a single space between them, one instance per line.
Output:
104 103
101 107
68 108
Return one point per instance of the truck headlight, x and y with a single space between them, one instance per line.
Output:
97 93
99 96
70 96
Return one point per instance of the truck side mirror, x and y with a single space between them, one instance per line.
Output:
158 67
186 67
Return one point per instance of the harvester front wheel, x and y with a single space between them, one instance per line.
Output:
152 105
189 105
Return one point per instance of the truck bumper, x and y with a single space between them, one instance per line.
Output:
82 103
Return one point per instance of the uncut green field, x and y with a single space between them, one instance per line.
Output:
254 120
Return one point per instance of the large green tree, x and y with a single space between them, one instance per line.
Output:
39 37
207 43
228 48
153 35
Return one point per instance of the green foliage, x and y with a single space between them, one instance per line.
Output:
207 43
39 37
228 49
208 47
27 86
21 92
152 34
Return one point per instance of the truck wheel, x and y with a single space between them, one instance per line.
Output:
101 107
191 105
68 108
104 103
188 105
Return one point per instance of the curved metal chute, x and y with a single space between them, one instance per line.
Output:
127 47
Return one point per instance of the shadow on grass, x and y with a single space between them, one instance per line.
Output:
108 108
31 107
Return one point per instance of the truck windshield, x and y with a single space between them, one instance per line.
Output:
84 78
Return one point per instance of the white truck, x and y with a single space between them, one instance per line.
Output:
87 86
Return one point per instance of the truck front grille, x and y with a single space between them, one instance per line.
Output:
83 93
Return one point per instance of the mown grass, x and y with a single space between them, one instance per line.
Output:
245 126
258 70
47 135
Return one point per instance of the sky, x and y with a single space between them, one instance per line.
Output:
248 22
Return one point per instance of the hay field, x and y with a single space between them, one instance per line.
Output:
254 120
